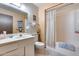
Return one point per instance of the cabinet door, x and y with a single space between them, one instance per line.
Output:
7 48
29 47
17 52
29 50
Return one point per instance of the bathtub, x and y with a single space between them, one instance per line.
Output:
66 49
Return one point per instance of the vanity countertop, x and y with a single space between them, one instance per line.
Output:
8 40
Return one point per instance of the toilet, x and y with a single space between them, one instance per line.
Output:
38 45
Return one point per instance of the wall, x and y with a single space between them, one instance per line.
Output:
16 17
31 10
66 24
42 19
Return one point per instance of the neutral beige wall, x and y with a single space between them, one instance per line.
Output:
16 17
41 16
65 24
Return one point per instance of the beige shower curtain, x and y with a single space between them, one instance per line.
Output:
50 26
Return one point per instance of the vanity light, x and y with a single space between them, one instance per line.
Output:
23 7
16 4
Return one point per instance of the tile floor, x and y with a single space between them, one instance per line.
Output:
41 52
46 52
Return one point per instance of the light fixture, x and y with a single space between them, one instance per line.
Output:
16 4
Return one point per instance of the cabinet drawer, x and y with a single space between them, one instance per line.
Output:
8 47
17 52
25 42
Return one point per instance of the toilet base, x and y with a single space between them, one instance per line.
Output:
39 45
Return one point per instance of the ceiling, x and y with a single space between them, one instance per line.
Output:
40 4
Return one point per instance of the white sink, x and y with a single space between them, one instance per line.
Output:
18 36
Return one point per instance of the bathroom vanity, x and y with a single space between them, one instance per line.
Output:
17 46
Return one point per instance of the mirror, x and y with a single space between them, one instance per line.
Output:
9 20
20 26
6 23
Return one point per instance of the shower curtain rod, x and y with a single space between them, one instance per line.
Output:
58 6
54 6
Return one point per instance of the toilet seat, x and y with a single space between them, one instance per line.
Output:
39 45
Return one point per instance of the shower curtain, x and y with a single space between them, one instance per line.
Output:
50 28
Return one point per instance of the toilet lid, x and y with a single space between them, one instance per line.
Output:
39 43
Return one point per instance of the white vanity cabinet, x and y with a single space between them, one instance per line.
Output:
6 48
28 47
17 52
23 47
